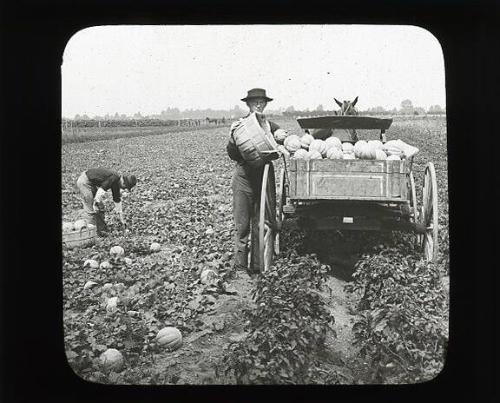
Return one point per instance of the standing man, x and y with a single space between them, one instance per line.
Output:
247 181
93 185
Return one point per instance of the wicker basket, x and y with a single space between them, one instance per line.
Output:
83 237
255 146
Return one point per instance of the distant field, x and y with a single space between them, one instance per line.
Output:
433 124
84 134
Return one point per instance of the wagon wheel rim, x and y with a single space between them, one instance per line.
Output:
266 228
280 216
429 214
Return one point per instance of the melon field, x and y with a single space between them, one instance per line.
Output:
335 308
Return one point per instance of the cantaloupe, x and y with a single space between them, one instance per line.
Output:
300 154
364 150
292 143
169 337
359 147
154 247
334 153
333 141
112 360
112 304
380 155
347 147
392 147
318 145
93 264
280 135
208 276
105 265
117 251
377 144
313 155
306 140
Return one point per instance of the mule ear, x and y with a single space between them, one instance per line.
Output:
354 102
338 102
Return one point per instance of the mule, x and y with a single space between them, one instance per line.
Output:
347 108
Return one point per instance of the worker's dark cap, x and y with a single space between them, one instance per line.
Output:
130 181
256 93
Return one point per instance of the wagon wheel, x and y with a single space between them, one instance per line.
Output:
267 218
280 216
429 214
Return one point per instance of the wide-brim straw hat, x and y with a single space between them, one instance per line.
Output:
256 93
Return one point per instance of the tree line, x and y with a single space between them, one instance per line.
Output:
407 108
200 117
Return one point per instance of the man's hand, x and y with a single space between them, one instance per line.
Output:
99 195
122 219
119 210
98 206
118 207
283 151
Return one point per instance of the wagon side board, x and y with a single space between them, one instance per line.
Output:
370 180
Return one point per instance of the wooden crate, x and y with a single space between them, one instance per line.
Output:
83 237
326 179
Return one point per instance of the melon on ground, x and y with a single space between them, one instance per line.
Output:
112 360
169 337
154 247
117 251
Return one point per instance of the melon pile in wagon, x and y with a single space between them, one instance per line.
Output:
307 147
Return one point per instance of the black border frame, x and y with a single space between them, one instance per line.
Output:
33 36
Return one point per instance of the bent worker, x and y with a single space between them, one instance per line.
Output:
247 181
93 185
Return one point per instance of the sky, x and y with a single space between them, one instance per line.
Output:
146 69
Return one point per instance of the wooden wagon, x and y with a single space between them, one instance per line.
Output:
368 195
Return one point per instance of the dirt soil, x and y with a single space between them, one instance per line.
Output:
195 361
